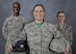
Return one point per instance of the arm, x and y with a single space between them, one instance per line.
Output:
70 36
5 29
11 43
58 43
5 33
57 34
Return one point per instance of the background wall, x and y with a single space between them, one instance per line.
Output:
51 7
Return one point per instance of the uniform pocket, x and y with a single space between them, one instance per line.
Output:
31 33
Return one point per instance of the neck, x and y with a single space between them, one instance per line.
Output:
41 21
16 14
61 23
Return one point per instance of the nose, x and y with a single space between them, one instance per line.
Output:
16 8
38 13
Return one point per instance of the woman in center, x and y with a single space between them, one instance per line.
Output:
40 33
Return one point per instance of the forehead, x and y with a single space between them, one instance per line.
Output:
61 14
38 8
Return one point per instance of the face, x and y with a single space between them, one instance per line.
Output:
38 13
61 17
16 8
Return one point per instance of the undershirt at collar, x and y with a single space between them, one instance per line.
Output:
39 24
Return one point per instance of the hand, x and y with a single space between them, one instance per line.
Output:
10 47
66 50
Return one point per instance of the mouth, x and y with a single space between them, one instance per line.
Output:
39 16
16 11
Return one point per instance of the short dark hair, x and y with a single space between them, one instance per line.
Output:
60 12
39 5
16 3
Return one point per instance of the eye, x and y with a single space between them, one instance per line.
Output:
36 11
41 11
63 16
14 7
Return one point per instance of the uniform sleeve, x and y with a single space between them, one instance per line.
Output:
21 36
5 29
70 34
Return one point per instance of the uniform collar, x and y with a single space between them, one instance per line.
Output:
12 17
34 24
64 26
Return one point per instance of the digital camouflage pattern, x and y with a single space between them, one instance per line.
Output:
11 30
39 39
67 34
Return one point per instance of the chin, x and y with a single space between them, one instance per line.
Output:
39 19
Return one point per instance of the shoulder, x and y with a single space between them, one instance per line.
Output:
51 25
68 26
56 25
29 25
8 19
24 19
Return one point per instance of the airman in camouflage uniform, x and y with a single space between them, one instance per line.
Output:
12 27
65 29
39 39
40 33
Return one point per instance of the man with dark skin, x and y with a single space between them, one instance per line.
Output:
12 27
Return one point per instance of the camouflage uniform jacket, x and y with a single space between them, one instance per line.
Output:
12 28
67 33
39 39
